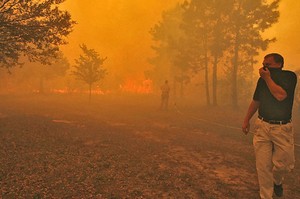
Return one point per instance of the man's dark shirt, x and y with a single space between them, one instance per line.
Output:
270 108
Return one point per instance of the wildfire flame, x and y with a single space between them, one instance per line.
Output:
135 86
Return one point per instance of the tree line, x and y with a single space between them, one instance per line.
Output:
36 30
209 35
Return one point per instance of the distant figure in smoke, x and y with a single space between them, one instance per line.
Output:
273 138
165 90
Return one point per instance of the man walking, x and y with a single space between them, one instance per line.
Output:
273 139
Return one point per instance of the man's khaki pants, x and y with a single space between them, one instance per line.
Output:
274 151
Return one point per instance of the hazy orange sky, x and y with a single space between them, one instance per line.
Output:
287 32
119 30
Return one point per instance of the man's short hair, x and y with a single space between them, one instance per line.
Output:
277 58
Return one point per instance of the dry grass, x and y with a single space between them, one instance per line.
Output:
123 147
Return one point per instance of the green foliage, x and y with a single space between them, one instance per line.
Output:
32 28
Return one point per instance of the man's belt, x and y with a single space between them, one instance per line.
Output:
274 121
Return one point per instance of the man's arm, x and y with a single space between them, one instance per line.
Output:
277 91
254 105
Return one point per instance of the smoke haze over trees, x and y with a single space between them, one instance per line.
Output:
206 48
216 33
54 144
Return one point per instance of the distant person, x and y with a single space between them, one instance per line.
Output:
273 137
165 91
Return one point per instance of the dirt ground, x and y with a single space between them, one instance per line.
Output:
123 147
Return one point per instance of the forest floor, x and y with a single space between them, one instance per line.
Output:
124 147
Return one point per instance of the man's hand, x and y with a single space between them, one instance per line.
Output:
253 107
246 127
264 73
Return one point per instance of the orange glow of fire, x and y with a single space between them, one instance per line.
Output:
135 86
67 91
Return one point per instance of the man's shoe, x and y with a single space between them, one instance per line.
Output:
278 190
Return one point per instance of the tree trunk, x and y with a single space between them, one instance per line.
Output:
41 86
235 72
174 88
206 74
215 80
181 89
90 92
